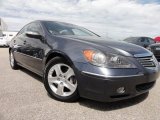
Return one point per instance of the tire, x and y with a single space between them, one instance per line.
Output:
59 80
13 62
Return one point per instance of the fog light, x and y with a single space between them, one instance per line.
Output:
121 90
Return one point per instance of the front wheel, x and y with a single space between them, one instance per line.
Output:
60 81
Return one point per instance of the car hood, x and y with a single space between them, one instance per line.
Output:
124 48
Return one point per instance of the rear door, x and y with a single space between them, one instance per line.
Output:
18 44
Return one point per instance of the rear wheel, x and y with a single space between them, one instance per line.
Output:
60 81
13 63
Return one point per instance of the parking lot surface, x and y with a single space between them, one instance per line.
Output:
23 97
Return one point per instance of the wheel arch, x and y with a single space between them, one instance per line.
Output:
53 54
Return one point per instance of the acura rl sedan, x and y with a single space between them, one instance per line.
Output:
75 62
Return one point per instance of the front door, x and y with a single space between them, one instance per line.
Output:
34 49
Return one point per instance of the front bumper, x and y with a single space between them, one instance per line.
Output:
101 84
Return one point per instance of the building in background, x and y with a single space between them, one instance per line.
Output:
5 36
3 27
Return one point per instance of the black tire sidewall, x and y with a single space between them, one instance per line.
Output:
51 63
15 66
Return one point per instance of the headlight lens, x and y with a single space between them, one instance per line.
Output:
110 60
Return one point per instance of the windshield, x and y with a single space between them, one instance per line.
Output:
58 28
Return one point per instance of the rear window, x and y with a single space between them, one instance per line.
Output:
147 40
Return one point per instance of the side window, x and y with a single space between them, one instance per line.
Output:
144 40
79 32
35 27
22 30
4 35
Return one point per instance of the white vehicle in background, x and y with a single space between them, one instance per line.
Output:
7 37
3 42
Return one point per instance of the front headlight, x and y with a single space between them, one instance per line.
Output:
109 60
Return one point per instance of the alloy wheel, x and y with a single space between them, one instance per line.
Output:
61 79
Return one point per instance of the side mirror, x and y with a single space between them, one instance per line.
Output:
33 34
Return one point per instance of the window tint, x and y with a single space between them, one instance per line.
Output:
34 27
22 30
58 28
79 32
144 40
147 40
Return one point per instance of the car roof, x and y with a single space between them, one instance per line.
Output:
58 22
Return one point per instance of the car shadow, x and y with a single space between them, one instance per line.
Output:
35 76
110 106
3 46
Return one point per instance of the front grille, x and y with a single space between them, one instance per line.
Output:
146 61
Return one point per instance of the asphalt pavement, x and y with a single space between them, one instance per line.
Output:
23 97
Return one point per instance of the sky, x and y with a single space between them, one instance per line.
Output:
116 19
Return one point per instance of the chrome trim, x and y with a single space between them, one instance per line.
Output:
111 76
148 62
28 55
143 54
